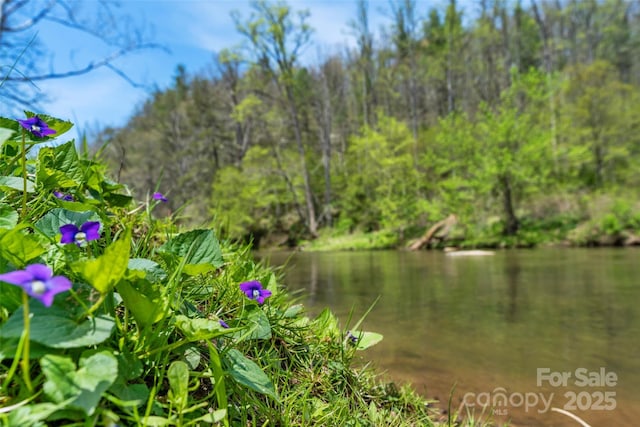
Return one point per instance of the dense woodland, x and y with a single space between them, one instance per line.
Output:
523 120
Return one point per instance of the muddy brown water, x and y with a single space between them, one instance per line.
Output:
517 333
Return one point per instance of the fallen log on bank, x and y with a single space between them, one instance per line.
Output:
438 231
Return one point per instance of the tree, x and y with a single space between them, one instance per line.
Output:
516 156
363 75
601 122
380 177
22 54
275 43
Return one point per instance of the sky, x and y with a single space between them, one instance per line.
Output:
192 31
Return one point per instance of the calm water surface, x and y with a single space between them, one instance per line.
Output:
487 324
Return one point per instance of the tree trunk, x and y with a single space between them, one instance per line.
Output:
312 224
511 221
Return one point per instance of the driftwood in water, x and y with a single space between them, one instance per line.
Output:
439 230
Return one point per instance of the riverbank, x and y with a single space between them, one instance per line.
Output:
607 231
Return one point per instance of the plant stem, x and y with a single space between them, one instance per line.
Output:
25 348
95 306
24 175
15 362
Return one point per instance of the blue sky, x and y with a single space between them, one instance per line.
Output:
193 30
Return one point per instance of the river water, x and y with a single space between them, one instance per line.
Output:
522 330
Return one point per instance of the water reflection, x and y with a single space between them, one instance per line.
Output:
482 323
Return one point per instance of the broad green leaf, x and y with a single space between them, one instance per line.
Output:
19 248
257 324
51 222
200 248
33 415
199 329
366 339
192 356
293 311
247 373
11 296
8 217
16 183
214 417
104 272
156 421
136 394
144 300
85 386
10 124
5 134
118 200
58 370
153 272
9 346
55 327
59 166
178 375
129 366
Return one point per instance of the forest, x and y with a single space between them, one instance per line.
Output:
518 119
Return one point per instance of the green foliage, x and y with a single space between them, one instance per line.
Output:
138 339
379 166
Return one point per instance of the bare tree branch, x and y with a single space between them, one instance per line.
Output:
20 68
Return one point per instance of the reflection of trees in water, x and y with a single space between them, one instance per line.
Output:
512 275
313 280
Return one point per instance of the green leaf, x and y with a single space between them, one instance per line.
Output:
104 272
11 296
16 183
19 248
8 216
51 222
31 415
247 373
200 248
54 327
326 323
59 166
366 339
199 329
9 346
5 133
134 394
155 421
293 311
178 375
86 385
258 324
153 272
213 417
144 300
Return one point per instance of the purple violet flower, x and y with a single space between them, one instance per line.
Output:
352 338
223 324
63 196
90 230
37 281
253 290
37 126
160 196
